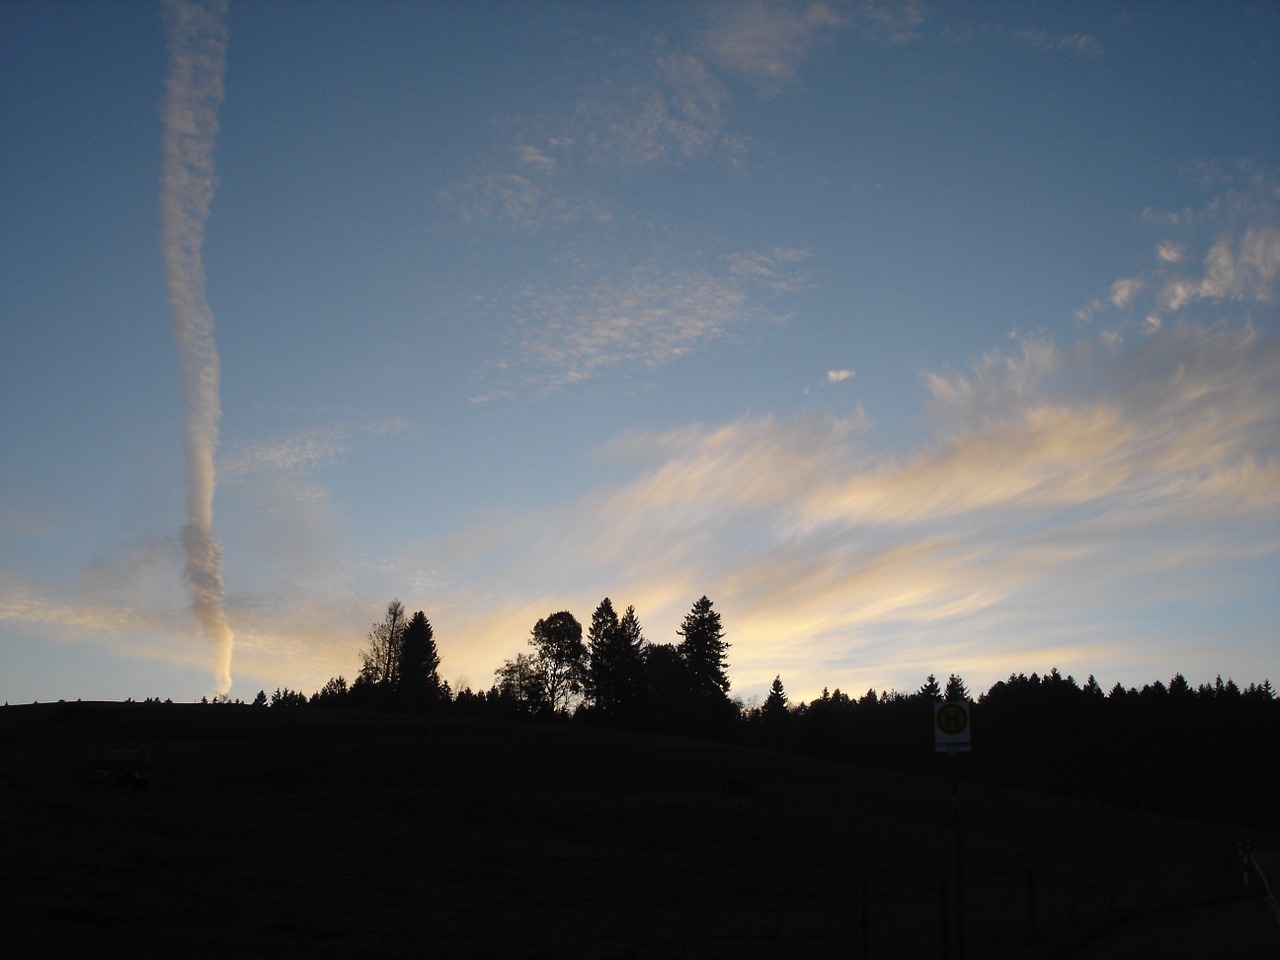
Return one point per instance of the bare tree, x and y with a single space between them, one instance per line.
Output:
381 661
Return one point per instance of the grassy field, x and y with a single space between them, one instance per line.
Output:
307 833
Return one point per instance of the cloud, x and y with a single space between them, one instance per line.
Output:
1053 486
670 111
197 36
839 376
1221 258
767 42
1244 269
1084 45
303 452
535 157
778 269
1056 485
642 320
1125 289
532 202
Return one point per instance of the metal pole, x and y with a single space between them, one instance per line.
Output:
955 810
945 916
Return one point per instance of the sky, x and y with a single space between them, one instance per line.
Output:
921 337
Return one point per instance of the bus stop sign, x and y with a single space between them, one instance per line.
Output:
951 726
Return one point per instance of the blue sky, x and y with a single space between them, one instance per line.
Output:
921 337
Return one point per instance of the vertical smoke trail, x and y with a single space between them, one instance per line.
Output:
197 37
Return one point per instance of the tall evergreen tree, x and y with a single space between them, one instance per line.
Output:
418 676
602 641
615 663
703 649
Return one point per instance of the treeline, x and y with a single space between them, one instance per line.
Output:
1172 748
612 676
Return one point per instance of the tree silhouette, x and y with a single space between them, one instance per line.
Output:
288 698
931 690
956 689
703 649
775 704
381 661
559 658
671 692
332 694
520 687
774 715
615 664
418 677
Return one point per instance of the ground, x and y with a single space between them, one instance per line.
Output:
306 832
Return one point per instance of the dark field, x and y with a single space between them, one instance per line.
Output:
299 832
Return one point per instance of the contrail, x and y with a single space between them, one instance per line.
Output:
197 39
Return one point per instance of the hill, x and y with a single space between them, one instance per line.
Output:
307 832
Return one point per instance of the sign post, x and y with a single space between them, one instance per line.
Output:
951 736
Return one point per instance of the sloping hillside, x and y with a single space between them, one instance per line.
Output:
301 832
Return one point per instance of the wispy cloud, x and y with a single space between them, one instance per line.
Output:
670 112
767 43
835 563
1055 485
642 320
1084 45
778 269
530 199
1223 253
304 451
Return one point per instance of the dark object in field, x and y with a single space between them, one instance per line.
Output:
120 767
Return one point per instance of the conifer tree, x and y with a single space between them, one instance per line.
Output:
931 690
418 675
703 649
615 663
775 704
956 690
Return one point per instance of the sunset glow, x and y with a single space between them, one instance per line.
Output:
921 338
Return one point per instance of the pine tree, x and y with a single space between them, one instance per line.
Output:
602 643
956 690
931 690
418 675
775 704
703 649
615 663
